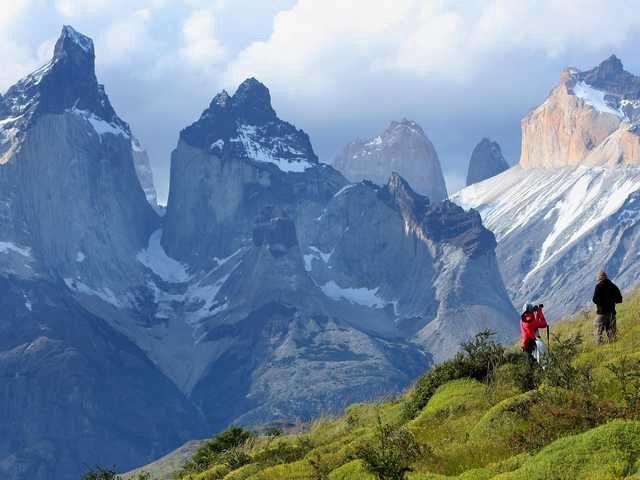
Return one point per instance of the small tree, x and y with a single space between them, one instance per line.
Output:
627 374
100 473
319 466
390 457
561 370
479 358
212 452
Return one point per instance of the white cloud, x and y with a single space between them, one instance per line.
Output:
201 46
76 9
317 45
127 37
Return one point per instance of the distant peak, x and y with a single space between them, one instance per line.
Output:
407 124
252 101
612 65
221 99
74 44
253 90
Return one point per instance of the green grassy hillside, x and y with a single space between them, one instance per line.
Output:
484 415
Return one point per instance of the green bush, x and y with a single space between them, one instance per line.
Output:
562 371
100 473
284 450
391 454
478 359
220 449
627 375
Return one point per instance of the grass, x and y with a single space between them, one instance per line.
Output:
492 426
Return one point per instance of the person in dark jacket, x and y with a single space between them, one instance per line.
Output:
605 296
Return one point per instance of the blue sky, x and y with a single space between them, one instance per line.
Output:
337 69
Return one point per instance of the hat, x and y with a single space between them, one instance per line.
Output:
528 307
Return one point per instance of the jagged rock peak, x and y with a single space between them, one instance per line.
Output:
486 161
245 126
67 83
73 43
254 98
609 76
590 118
220 100
400 193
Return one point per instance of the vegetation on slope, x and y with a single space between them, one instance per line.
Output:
486 414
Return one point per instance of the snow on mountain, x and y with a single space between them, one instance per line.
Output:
595 98
72 219
590 118
246 126
557 229
569 209
272 289
403 148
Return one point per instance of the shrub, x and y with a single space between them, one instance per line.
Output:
479 358
390 457
319 466
100 473
284 451
218 450
627 375
561 370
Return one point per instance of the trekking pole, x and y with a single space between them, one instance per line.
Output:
548 343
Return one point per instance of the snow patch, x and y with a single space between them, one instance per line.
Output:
104 293
595 98
156 259
344 189
257 151
222 261
360 296
376 141
80 257
315 254
99 125
6 247
27 302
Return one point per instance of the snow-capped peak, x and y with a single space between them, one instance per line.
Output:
608 88
245 126
71 41
67 83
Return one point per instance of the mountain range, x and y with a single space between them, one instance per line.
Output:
272 289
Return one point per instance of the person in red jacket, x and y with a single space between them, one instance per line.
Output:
530 321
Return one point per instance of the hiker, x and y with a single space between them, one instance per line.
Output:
531 320
605 296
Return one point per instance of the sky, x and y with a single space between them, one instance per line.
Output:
338 69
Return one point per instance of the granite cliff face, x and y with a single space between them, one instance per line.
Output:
486 162
403 148
569 209
272 289
73 217
590 118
